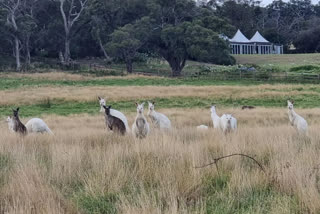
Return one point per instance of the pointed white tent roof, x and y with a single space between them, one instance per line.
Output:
258 38
239 38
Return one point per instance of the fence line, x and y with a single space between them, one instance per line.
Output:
234 74
258 76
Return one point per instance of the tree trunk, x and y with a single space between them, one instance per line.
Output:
28 55
129 66
176 65
67 27
17 53
16 39
103 49
176 72
68 21
67 49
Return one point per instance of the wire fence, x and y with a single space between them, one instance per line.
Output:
239 75
192 71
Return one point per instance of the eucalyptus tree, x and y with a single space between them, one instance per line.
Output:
70 10
28 26
11 8
127 40
20 24
179 33
109 15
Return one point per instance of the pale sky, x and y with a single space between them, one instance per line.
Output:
266 2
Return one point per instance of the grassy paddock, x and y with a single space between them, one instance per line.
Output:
13 82
50 98
83 168
92 107
286 60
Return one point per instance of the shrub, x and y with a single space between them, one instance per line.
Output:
305 68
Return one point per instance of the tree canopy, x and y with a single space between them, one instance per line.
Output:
176 30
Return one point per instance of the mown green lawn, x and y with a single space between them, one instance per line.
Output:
284 60
67 108
13 83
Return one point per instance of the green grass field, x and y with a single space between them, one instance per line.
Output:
60 107
285 60
306 96
18 82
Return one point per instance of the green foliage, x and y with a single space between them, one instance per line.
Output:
126 41
178 30
306 68
308 41
211 21
263 75
123 43
184 35
204 45
95 204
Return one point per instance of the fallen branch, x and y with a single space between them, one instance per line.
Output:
215 161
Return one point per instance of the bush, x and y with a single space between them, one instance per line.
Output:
263 75
305 68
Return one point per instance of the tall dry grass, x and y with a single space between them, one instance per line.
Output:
52 74
83 167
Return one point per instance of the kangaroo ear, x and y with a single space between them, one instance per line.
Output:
109 106
136 104
104 107
18 109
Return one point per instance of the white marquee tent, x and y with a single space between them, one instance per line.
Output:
239 44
